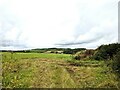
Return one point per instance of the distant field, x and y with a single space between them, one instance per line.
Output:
40 70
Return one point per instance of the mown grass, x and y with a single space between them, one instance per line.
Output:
39 70
92 74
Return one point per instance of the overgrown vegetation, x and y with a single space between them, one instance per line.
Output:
110 54
116 66
116 63
105 52
83 54
78 68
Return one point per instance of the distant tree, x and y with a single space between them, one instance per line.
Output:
72 51
68 51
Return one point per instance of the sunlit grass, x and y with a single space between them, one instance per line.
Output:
15 56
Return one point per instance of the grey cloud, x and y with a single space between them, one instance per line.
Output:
81 42
95 17
8 22
9 43
89 18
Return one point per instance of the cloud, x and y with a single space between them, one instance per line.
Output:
97 26
82 42
57 23
105 33
7 43
10 29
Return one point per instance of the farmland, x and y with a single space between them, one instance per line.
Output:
42 70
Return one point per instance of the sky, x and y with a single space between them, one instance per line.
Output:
57 23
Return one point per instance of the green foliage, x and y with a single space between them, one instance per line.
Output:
72 51
68 51
105 52
116 63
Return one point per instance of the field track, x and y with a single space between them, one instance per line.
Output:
55 72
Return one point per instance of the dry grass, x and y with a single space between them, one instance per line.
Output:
54 72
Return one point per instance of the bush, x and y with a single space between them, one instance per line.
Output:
105 52
116 63
83 54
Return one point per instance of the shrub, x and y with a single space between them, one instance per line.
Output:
83 54
106 52
116 63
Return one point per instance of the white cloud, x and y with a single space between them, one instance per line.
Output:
44 23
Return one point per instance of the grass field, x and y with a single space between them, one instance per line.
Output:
39 70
